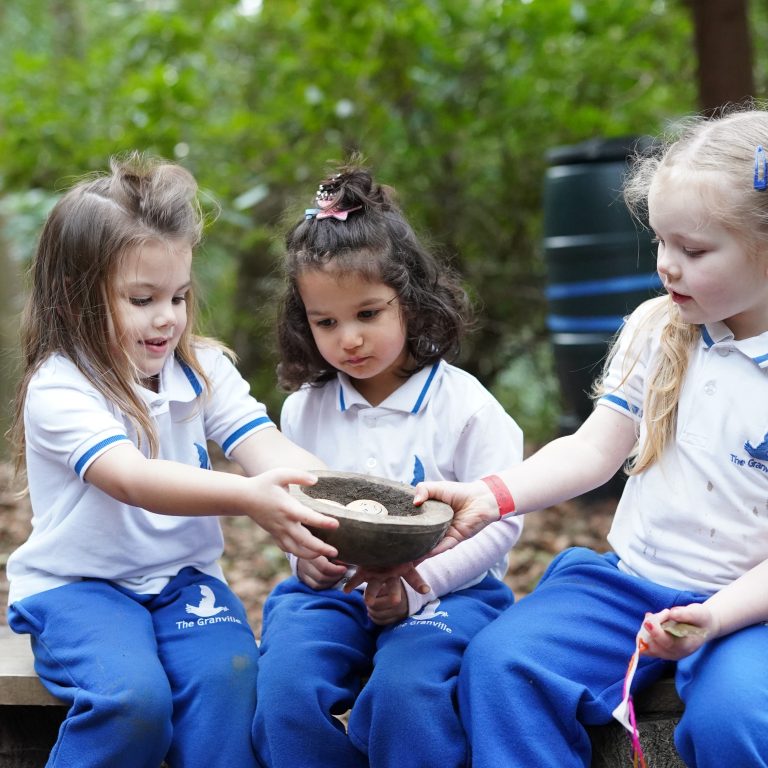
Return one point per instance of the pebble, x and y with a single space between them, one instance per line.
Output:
368 507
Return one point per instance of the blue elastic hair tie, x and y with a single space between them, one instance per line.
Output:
761 169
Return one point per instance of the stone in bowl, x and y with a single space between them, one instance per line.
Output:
377 541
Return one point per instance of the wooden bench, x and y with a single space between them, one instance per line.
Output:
30 718
658 710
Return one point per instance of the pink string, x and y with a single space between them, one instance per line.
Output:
638 758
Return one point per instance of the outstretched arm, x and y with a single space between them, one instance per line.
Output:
173 488
562 469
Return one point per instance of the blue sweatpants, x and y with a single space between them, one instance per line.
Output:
318 646
555 662
146 677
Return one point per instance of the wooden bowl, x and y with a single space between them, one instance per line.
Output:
405 533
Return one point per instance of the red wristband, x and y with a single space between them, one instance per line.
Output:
501 492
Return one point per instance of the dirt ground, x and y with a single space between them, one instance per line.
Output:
253 564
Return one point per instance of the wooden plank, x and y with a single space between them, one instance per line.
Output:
22 693
658 711
611 745
19 683
660 700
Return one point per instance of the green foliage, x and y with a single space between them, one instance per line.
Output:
454 103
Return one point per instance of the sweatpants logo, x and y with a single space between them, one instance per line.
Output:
429 611
428 616
207 606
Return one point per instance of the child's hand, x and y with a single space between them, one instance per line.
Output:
474 507
378 578
387 603
320 572
284 517
676 643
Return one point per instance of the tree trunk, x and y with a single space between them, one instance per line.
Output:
724 50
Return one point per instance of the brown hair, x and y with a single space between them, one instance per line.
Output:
84 240
377 242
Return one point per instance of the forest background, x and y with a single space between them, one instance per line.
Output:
456 103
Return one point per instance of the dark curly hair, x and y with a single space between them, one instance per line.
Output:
377 242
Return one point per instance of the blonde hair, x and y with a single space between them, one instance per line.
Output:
71 300
723 146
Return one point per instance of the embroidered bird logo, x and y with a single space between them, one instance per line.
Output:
202 456
429 611
758 452
207 606
418 471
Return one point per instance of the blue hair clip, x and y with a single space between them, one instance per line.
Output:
310 213
761 169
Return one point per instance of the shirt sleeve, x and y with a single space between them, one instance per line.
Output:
67 419
290 414
458 568
624 380
491 441
231 412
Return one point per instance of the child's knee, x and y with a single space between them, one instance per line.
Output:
704 714
704 735
141 711
151 699
223 676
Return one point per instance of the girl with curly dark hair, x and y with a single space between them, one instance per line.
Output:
369 319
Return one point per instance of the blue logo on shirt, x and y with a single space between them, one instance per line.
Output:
202 456
758 452
418 471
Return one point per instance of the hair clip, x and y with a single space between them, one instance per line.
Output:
324 197
327 211
761 169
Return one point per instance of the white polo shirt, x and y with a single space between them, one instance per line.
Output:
441 424
698 518
80 531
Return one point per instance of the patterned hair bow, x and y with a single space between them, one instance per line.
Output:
326 210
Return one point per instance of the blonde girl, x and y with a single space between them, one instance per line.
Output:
119 585
685 397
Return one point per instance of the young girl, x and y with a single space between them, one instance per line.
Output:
131 621
685 395
368 318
